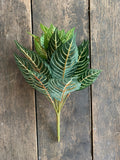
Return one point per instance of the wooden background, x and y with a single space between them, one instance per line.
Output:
90 119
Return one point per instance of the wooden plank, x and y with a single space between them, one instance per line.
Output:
17 106
105 38
75 117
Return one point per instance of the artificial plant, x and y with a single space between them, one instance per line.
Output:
57 67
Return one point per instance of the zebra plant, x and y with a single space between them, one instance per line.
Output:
57 67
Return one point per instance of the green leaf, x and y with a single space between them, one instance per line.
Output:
42 41
83 61
59 88
88 77
35 60
39 45
44 28
79 68
62 35
64 58
47 35
54 43
83 58
36 80
66 36
39 48
83 51
69 34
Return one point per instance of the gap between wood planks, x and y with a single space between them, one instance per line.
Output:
37 137
90 86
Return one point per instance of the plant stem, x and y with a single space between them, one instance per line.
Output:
58 105
58 126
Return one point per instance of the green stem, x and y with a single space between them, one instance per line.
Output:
58 126
58 105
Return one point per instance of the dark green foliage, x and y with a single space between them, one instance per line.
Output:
89 76
54 43
58 66
64 58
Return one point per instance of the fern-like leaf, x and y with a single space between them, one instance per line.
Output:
44 28
39 45
83 60
30 75
37 80
83 51
69 34
54 43
35 60
47 35
59 88
64 58
62 35
88 77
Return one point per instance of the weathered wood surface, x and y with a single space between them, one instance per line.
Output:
75 117
17 100
17 109
105 39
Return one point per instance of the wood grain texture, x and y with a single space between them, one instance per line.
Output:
17 109
75 117
105 38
